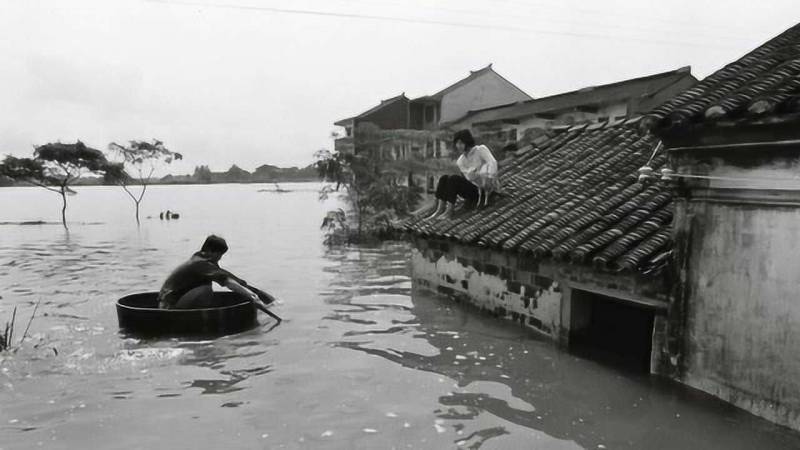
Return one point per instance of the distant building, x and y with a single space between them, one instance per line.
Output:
523 121
481 89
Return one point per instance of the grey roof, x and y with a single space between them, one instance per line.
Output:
642 87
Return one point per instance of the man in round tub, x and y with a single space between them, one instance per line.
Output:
189 285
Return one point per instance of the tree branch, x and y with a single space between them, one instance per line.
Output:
42 185
127 191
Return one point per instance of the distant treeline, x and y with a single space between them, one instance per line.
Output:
203 175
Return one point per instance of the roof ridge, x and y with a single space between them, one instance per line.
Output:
684 69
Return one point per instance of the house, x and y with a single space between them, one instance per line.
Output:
417 121
734 142
577 246
662 241
523 121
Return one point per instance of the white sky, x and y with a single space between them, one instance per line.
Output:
237 81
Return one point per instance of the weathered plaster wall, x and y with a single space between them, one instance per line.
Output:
781 174
535 305
742 314
536 294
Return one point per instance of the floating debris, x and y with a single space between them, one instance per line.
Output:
370 430
326 433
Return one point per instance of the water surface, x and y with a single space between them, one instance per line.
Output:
361 361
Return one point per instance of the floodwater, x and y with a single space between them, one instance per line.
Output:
362 361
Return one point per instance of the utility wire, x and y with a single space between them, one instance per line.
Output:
388 18
611 12
536 15
597 14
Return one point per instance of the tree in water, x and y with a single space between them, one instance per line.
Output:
377 186
140 160
55 166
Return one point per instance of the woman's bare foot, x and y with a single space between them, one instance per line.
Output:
448 212
439 210
425 209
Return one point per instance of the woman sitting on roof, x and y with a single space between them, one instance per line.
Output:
478 175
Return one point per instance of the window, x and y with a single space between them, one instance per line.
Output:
512 134
429 114
348 131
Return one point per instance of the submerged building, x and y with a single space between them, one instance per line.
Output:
663 241
735 137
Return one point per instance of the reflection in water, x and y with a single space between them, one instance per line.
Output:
505 371
477 438
361 362
221 354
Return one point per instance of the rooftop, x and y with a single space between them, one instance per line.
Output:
472 75
383 103
639 88
765 83
575 198
435 97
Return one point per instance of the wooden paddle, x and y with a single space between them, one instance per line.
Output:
266 298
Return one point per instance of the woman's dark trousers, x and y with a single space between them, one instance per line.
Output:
450 187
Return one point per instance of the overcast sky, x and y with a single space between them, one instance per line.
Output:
262 81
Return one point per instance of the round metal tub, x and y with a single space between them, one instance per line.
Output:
140 314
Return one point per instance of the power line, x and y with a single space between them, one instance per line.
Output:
612 12
595 20
376 17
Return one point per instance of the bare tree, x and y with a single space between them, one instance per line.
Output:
139 161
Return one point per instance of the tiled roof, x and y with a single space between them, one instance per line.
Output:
642 88
472 75
765 82
377 107
574 197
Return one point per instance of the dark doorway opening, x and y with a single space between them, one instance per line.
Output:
611 330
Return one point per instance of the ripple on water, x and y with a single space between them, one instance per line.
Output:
389 366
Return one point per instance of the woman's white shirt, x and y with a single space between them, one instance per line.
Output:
477 163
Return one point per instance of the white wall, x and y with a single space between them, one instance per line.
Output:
488 89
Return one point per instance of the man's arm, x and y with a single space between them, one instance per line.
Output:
235 286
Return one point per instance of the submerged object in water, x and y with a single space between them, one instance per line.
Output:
140 314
